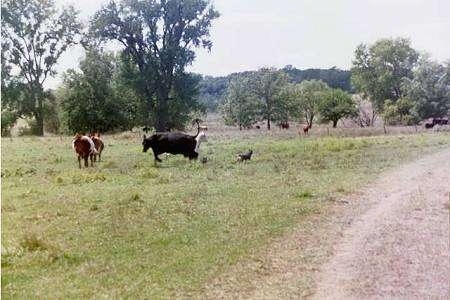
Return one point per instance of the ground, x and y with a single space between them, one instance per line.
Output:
398 248
130 228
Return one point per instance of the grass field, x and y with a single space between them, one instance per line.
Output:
128 228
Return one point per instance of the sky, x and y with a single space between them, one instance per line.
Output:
251 34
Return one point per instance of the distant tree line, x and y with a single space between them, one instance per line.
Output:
268 95
213 89
401 86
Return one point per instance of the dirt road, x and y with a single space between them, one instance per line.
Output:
398 248
390 240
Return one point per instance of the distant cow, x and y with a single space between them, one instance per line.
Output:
84 148
306 128
284 125
175 143
99 145
436 121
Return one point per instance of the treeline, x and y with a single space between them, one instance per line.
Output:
213 89
401 85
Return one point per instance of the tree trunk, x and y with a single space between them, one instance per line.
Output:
310 121
268 123
39 124
162 112
39 114
335 123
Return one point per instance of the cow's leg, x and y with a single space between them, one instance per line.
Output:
79 161
99 157
86 164
155 154
92 160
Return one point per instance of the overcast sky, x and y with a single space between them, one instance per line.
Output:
304 33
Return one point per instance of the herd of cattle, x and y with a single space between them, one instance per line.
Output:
90 146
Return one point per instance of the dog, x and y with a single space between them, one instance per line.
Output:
245 156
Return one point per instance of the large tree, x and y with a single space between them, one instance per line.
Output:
34 35
335 105
240 106
429 89
267 85
159 37
378 70
88 97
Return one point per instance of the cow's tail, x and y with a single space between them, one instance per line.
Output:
198 125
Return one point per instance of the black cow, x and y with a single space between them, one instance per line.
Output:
175 143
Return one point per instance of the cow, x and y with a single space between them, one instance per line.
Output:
84 148
99 145
306 128
435 121
175 143
284 125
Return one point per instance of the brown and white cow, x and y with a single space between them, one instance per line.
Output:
84 148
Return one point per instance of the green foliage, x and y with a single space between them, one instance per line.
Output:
88 97
267 86
378 70
34 35
335 105
212 91
9 118
240 106
306 98
333 77
159 37
429 88
403 112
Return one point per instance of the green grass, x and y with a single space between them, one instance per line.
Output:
128 228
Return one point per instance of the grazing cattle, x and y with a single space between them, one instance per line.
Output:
435 121
306 129
284 125
99 145
175 143
84 148
244 156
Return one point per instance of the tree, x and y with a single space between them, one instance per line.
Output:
88 98
267 85
159 37
240 105
337 104
379 70
34 35
429 89
306 98
9 118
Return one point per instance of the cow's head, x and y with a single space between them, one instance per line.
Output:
147 143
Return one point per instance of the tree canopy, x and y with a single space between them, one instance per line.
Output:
34 35
335 105
159 37
379 70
